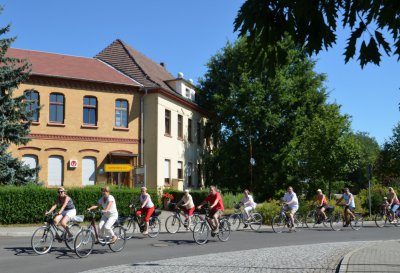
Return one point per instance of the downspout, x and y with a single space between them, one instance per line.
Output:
142 127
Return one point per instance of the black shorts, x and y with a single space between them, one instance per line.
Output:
323 206
349 208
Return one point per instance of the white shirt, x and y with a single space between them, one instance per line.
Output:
291 197
188 199
149 203
250 201
104 204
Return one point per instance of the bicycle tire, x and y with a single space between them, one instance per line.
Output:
224 230
235 221
42 240
336 221
380 220
278 223
84 242
310 219
74 229
256 221
119 244
194 220
201 232
358 222
154 227
130 228
172 224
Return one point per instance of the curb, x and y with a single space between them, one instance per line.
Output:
343 265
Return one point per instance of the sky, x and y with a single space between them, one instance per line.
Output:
185 35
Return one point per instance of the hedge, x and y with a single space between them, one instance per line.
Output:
20 205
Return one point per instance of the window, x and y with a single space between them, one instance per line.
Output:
190 130
180 169
32 104
199 182
88 171
189 174
55 170
167 122
56 108
167 173
90 111
121 113
199 133
187 92
180 127
31 161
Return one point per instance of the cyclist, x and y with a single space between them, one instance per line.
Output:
248 204
349 206
291 206
216 208
146 207
188 207
66 212
393 204
320 198
109 214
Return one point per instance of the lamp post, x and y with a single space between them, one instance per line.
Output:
252 163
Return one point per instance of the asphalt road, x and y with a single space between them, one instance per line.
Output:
16 254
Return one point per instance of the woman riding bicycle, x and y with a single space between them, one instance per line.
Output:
349 206
146 207
248 204
393 204
320 198
188 206
109 214
66 212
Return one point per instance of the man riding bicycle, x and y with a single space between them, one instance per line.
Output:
349 206
216 207
291 206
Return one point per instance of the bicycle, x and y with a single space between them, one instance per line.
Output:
338 220
43 238
88 237
174 222
201 230
385 216
236 219
131 222
282 220
314 218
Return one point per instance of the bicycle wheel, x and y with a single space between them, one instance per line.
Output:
119 244
224 230
278 223
130 228
380 220
84 242
201 231
172 224
256 221
358 221
42 240
154 227
234 220
310 219
194 220
74 229
297 221
336 221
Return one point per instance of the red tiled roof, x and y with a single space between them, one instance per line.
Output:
64 66
135 65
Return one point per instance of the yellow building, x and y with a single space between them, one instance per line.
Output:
119 107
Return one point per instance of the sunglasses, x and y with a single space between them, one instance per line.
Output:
60 191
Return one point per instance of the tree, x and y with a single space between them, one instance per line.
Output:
14 116
313 24
266 117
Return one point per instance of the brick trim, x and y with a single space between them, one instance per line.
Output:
55 149
84 138
29 148
89 150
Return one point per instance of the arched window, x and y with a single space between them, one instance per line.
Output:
32 101
121 113
57 105
88 171
55 170
89 110
31 161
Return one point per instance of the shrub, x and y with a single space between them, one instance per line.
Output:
268 210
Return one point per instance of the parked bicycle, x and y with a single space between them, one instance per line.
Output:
43 238
88 237
202 230
384 216
338 221
236 219
281 221
132 222
314 218
174 222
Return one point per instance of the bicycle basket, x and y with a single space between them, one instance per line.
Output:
237 206
78 218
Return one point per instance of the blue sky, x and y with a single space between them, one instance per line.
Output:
184 35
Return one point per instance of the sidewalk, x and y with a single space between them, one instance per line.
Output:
383 256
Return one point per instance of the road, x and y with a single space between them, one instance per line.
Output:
16 254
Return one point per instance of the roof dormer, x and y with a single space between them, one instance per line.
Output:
183 87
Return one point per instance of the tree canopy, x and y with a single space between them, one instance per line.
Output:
313 24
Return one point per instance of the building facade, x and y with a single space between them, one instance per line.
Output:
111 109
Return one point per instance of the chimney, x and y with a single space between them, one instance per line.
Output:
163 64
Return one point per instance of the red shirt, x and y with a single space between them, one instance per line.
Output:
211 199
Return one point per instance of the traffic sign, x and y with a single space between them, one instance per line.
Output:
117 168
